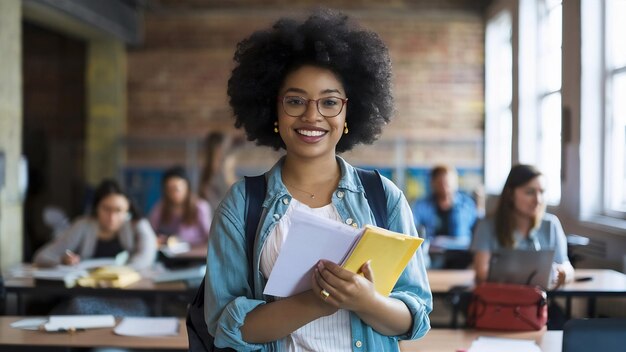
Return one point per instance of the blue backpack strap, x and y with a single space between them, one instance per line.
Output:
375 194
256 188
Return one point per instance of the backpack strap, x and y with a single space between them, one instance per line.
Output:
256 187
375 194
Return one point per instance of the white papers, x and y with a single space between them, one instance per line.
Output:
310 238
29 323
499 344
181 274
147 327
67 322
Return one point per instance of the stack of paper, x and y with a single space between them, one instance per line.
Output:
110 276
312 238
132 326
68 322
499 344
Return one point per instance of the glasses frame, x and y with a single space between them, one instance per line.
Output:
344 101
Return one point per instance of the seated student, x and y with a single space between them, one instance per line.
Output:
180 213
113 226
446 211
218 173
520 222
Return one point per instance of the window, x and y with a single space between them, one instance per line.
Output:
498 98
615 108
539 119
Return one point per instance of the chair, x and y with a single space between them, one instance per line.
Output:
601 334
574 244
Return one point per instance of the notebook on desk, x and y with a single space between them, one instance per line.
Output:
521 267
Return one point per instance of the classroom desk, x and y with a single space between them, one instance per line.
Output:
196 255
603 283
450 340
144 288
90 338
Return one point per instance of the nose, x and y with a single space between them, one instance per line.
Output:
312 113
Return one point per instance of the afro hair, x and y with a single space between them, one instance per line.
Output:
326 39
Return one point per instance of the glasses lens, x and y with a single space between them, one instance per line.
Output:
294 106
329 107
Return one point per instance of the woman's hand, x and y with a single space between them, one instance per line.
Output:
70 258
564 274
346 289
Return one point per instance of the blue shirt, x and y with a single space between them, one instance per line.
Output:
548 235
461 220
228 296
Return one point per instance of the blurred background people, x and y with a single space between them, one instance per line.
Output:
218 173
179 212
114 226
445 211
520 222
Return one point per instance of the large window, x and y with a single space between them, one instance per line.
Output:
615 108
498 97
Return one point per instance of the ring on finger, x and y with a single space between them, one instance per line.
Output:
324 294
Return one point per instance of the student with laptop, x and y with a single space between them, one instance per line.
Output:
521 223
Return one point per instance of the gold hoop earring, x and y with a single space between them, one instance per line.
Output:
345 128
275 126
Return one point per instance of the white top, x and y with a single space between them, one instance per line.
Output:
330 333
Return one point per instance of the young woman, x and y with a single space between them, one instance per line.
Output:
313 88
180 213
520 222
114 226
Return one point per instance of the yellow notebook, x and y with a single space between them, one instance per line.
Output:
389 252
110 276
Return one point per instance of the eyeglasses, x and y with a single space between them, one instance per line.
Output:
296 106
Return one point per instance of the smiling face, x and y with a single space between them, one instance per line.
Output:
528 199
311 135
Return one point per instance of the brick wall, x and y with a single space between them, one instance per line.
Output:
177 78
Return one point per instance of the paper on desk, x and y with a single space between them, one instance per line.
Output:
499 344
60 322
29 323
133 326
310 239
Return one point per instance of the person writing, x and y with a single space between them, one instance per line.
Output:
180 213
314 88
521 222
113 226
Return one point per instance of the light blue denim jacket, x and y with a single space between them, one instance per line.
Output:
228 297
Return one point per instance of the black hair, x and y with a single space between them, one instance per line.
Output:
108 187
175 171
190 209
327 39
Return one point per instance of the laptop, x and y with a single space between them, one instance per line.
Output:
521 267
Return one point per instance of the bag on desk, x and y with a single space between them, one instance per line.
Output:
512 307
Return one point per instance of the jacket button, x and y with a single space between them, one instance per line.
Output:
340 194
285 200
358 343
276 217
349 221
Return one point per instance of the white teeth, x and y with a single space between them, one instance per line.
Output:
310 133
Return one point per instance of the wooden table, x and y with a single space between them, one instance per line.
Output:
144 288
451 340
603 283
90 338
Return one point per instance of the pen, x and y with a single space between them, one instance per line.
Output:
68 330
